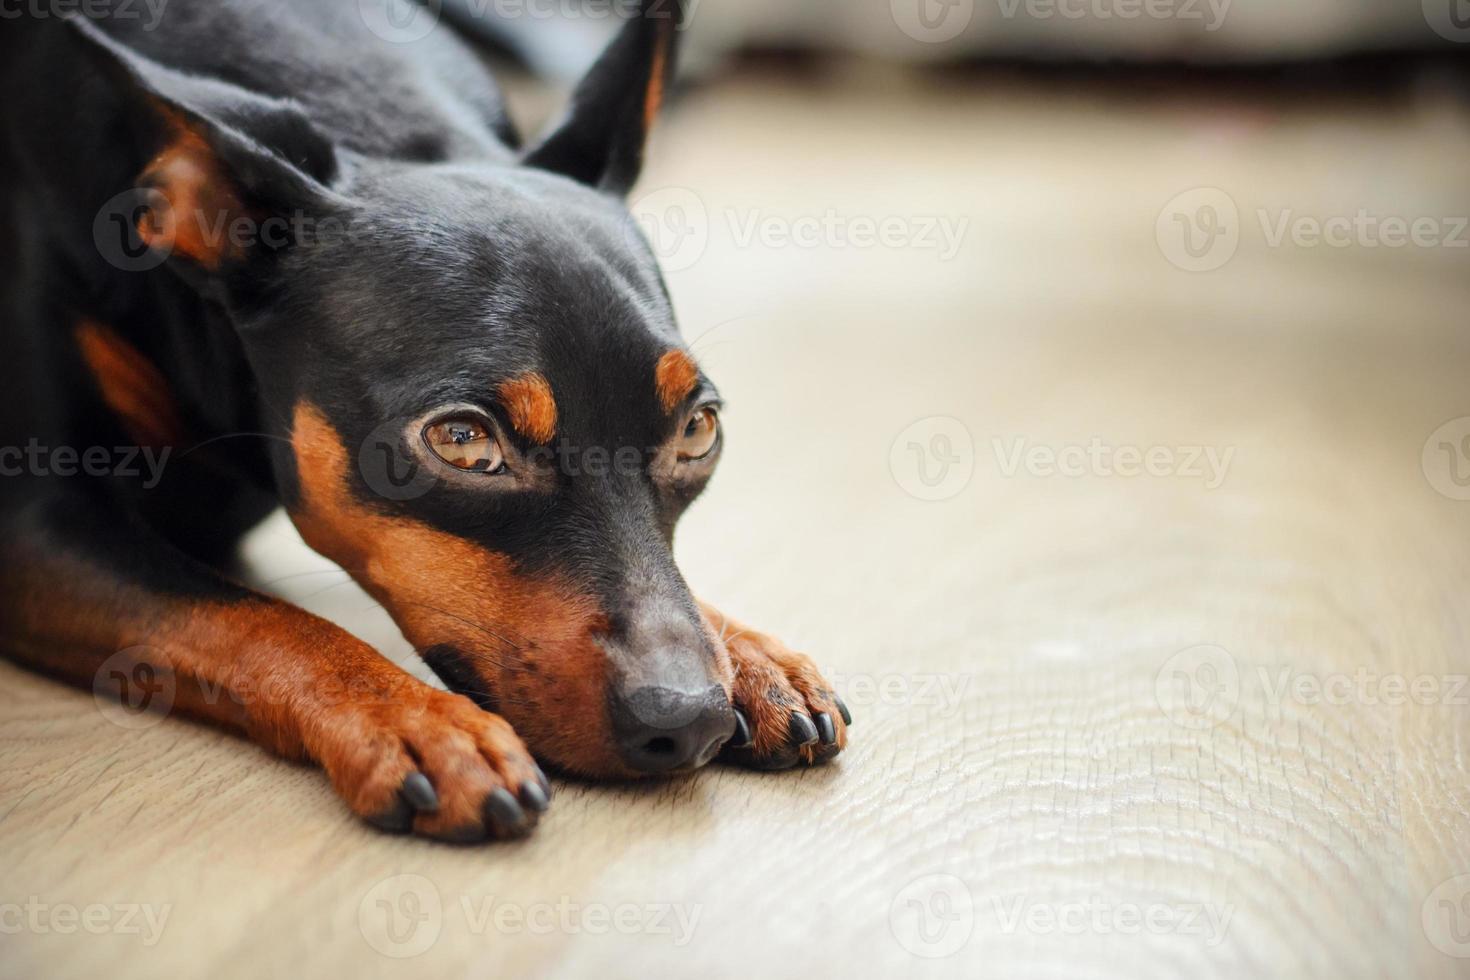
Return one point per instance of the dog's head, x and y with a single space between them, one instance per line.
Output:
485 411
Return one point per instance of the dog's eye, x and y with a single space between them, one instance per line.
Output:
701 433
465 443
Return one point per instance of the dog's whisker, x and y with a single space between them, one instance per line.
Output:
232 435
695 343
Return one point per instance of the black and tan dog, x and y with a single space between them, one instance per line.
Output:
318 270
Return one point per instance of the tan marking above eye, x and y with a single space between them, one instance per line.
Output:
465 442
529 403
700 434
674 378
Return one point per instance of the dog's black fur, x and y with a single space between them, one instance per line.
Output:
463 267
431 259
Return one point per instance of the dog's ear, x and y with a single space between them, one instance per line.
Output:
600 140
220 161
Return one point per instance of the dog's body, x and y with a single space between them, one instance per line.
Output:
303 266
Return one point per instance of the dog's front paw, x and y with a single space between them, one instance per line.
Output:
785 712
433 763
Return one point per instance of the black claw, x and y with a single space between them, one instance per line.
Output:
741 738
397 819
803 732
533 798
784 757
419 793
825 728
777 762
472 834
842 710
503 812
545 783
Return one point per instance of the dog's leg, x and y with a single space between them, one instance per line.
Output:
790 712
87 595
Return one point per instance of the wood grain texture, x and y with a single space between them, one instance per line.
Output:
1003 650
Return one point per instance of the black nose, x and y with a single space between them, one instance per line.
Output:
660 729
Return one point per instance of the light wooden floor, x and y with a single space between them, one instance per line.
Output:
1028 791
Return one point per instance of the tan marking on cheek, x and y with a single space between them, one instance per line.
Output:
531 406
674 379
131 386
440 588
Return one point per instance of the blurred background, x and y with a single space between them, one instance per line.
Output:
958 265
1097 371
1121 32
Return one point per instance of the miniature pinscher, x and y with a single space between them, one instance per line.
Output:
305 267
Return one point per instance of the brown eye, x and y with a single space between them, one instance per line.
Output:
700 434
466 443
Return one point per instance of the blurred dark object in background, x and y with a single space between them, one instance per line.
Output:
558 38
